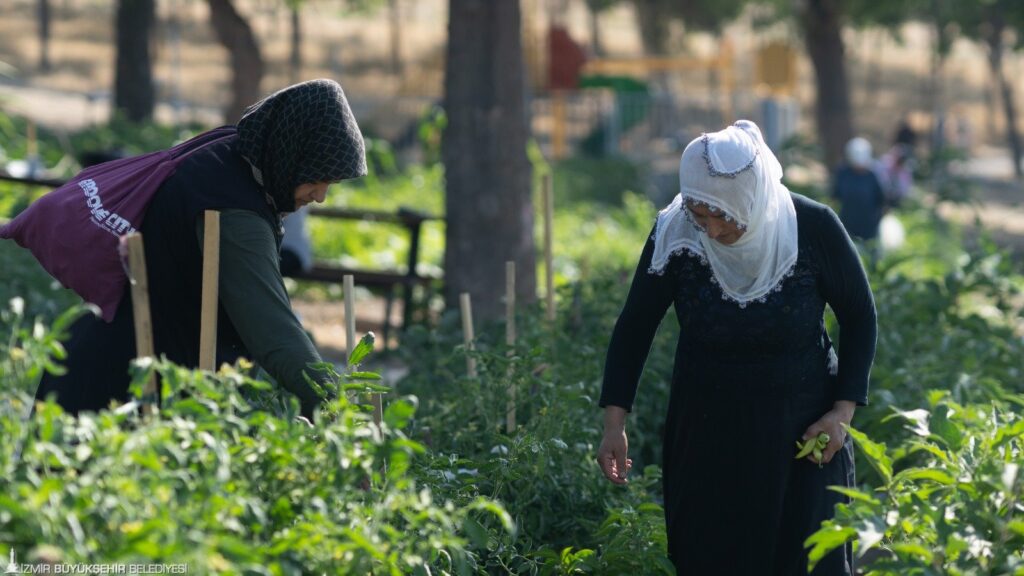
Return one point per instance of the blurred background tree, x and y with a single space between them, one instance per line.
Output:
488 194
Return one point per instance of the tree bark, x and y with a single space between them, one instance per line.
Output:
596 45
653 20
45 15
821 21
295 70
235 34
488 201
395 26
134 93
994 40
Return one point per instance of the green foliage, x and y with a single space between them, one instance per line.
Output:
14 141
633 540
14 198
585 179
25 279
131 138
616 229
951 497
227 479
32 347
546 466
956 332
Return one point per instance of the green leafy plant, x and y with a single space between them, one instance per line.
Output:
950 497
227 479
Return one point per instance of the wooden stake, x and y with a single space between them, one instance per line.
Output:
510 339
348 282
211 290
139 281
32 145
558 131
466 306
547 197
351 342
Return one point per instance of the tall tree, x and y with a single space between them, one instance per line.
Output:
488 200
246 62
134 92
990 22
295 59
596 7
821 22
654 17
45 15
395 33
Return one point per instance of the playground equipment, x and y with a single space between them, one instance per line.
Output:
628 79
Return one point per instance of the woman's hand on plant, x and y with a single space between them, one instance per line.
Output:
833 423
611 456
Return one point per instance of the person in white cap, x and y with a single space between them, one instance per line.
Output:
860 194
749 267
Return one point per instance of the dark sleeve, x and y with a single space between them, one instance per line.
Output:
879 192
254 297
845 287
649 297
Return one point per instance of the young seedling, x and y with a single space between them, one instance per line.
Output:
813 446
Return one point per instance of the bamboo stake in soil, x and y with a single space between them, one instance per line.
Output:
350 315
510 339
351 342
139 281
547 197
467 332
211 289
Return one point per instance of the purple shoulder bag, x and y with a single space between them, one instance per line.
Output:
75 229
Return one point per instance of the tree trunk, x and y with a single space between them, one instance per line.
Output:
488 201
991 103
235 34
134 93
994 40
44 35
295 70
595 34
653 21
395 25
936 103
822 27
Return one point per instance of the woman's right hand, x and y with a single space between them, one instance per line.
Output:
611 456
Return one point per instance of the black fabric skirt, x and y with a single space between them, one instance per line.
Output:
737 502
98 357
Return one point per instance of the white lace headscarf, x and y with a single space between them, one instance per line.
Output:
735 172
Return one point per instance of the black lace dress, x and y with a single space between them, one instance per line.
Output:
747 382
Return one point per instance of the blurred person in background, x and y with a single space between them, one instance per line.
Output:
895 172
859 192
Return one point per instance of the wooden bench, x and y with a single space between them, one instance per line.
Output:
386 280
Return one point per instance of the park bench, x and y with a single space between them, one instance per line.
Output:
386 281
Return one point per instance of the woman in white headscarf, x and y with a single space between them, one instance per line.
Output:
750 267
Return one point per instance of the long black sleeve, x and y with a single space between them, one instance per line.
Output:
845 287
649 297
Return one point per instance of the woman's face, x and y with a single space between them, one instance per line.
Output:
309 193
714 224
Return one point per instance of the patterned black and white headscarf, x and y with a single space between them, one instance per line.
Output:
302 134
